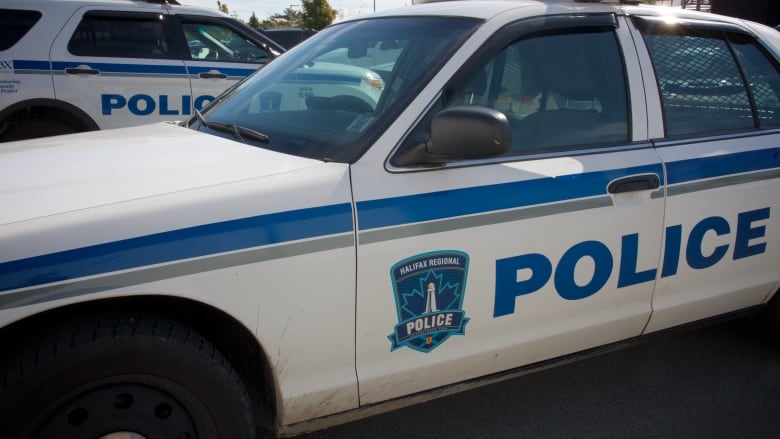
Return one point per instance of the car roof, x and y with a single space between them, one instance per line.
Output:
74 4
487 9
490 8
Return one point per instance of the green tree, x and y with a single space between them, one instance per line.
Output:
222 7
317 14
288 18
254 21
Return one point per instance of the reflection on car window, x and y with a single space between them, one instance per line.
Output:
347 84
121 36
763 78
216 42
558 91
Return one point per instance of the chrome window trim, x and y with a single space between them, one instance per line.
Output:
669 142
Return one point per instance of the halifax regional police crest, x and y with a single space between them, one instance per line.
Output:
428 291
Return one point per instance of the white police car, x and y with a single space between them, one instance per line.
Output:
532 181
77 65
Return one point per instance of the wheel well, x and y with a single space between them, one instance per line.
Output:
235 342
46 109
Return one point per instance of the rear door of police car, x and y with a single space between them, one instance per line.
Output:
120 66
479 267
717 101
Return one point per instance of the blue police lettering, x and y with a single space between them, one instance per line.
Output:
537 269
629 252
164 106
564 272
135 106
746 233
143 104
743 246
202 101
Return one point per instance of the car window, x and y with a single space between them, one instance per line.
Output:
288 38
121 35
702 87
217 42
763 77
558 91
14 24
347 84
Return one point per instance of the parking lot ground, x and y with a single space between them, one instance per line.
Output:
715 382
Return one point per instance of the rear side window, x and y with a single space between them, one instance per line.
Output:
712 81
763 77
121 36
14 24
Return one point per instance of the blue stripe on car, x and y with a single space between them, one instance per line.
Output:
164 69
176 245
474 200
722 165
173 68
316 222
194 70
23 64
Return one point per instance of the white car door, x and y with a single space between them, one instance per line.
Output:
121 67
720 149
474 268
219 55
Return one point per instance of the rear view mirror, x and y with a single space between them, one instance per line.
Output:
357 49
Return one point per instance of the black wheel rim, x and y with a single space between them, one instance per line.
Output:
119 410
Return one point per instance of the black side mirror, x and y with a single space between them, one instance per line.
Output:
466 132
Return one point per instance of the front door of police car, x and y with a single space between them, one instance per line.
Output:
219 55
476 268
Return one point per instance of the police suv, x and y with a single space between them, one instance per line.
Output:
527 182
78 65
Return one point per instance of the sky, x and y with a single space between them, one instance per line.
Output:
265 8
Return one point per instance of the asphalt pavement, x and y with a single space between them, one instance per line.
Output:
715 382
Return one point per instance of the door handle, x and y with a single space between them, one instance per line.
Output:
213 74
634 183
82 70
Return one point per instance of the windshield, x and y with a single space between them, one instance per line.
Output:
334 94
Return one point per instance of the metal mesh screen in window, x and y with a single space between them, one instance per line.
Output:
763 77
701 86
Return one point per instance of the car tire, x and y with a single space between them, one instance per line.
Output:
33 128
132 375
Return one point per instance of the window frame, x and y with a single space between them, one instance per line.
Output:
25 19
726 33
507 35
173 52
